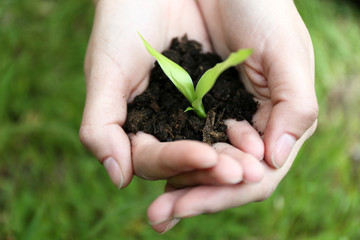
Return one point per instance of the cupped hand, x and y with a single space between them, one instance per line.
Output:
280 74
191 163
190 167
176 204
117 69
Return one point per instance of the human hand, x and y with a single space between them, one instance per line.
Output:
194 165
117 69
280 74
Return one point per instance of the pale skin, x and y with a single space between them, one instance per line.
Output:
201 178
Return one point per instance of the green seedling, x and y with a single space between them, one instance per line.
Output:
182 80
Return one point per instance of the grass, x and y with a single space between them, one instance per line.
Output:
51 188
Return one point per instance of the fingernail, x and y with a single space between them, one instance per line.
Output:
282 150
167 224
171 224
114 172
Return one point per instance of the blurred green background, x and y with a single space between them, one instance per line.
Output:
51 188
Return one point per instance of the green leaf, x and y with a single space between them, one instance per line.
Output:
208 80
189 109
180 78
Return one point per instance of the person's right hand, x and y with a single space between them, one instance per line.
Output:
117 69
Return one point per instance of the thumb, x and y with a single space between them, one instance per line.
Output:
294 111
104 114
295 108
112 77
102 134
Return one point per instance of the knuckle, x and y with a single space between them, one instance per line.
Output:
311 112
306 113
86 135
310 115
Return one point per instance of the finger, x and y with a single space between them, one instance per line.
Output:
104 114
253 169
104 142
157 160
226 171
108 68
189 202
198 200
211 199
294 111
244 136
160 212
289 65
261 117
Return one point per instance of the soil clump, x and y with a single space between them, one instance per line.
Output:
159 110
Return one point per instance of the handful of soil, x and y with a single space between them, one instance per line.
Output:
159 110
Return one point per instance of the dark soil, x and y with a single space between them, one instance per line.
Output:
160 109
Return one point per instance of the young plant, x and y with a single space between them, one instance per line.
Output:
182 80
